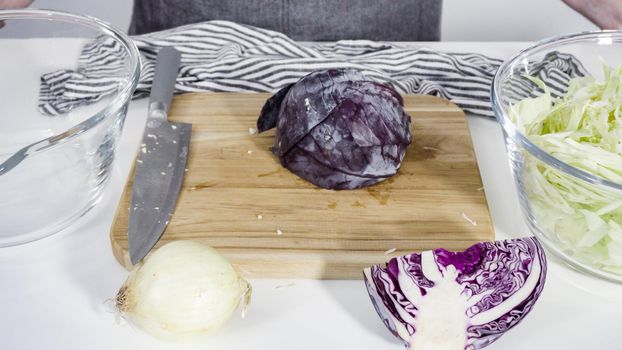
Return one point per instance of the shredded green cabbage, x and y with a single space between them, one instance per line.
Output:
582 129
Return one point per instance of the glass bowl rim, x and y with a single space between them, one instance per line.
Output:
509 127
119 100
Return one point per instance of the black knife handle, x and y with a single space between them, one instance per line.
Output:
164 77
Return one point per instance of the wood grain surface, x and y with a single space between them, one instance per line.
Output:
237 198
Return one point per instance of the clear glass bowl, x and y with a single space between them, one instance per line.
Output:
53 167
560 229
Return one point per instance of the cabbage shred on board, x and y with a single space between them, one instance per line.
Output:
584 130
338 129
441 300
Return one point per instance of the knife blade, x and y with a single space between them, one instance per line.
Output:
160 164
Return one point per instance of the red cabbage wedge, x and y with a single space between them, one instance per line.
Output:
338 129
441 300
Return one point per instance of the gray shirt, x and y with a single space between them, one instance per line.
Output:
311 20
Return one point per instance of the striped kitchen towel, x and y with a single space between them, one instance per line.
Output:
224 56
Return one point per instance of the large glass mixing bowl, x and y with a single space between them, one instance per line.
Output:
572 211
54 161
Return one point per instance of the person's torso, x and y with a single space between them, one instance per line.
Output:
311 20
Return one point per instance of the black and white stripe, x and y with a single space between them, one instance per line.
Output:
223 56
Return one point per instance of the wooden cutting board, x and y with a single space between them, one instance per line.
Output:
237 198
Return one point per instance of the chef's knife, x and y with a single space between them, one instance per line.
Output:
160 164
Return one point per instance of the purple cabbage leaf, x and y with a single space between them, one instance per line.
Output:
337 129
441 300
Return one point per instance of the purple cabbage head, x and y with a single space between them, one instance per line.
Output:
465 300
337 129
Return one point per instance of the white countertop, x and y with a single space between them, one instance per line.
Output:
56 293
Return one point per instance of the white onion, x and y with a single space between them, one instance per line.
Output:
182 291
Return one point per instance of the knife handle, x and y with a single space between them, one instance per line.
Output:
163 86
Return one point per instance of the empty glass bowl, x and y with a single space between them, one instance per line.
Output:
65 84
575 213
